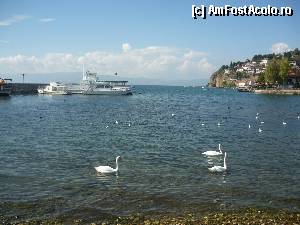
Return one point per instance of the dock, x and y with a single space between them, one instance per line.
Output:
278 91
26 88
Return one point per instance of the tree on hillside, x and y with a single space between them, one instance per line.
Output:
272 72
261 78
257 57
277 70
287 55
284 67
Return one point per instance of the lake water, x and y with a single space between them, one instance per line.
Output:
51 144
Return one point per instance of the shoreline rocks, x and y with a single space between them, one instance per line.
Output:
243 216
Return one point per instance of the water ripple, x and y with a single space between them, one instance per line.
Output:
51 144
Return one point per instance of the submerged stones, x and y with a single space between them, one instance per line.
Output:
243 216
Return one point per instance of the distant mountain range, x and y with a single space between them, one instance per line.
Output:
75 77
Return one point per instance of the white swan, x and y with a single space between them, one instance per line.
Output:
116 122
249 126
173 114
213 153
219 169
108 169
283 123
260 130
219 124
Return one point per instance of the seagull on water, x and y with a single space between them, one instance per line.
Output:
283 123
173 114
116 122
260 130
249 126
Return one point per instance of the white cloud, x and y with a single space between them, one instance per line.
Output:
47 20
14 19
126 47
150 62
280 48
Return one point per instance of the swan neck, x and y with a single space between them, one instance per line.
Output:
225 162
220 148
117 165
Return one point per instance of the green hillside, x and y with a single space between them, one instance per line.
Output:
261 68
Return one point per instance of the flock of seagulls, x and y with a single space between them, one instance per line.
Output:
219 124
284 123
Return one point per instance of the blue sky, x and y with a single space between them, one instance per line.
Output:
154 39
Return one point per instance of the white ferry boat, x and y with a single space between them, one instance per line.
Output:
55 88
90 85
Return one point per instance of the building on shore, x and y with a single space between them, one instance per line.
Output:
293 77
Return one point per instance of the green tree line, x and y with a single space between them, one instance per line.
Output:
294 54
276 71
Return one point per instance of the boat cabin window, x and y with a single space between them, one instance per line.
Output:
103 86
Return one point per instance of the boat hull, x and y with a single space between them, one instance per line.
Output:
4 94
243 89
54 93
90 85
5 90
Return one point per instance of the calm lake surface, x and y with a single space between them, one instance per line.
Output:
51 144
